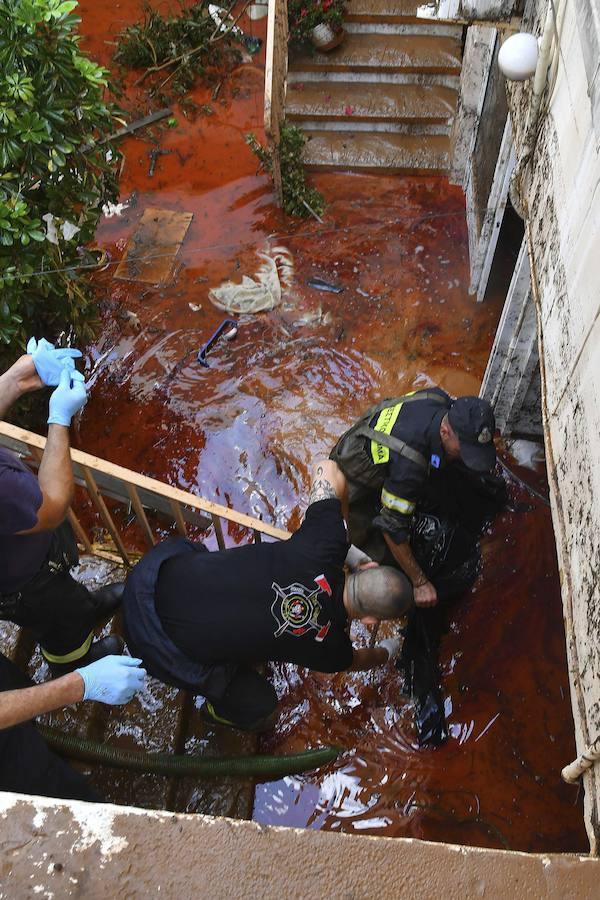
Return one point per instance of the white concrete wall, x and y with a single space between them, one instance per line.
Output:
563 196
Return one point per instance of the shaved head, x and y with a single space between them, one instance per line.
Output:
381 592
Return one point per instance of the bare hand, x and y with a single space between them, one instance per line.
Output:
25 375
425 595
371 564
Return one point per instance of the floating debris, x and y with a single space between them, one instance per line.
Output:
260 293
320 285
229 335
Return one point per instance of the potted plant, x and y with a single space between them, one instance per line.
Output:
317 21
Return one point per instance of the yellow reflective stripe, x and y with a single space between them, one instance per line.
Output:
385 423
398 504
214 715
73 655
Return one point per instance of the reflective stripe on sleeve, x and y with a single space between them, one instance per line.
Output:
398 504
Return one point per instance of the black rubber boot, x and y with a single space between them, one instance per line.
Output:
108 599
113 645
208 714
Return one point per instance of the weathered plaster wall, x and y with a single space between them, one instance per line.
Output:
511 381
54 850
477 54
563 197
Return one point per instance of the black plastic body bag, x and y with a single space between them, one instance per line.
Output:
445 533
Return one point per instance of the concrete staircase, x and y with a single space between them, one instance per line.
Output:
385 99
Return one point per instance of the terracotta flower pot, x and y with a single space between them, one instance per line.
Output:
324 38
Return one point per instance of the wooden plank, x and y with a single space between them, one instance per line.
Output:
141 515
80 532
481 263
178 516
276 66
150 253
139 123
104 513
219 532
276 63
19 439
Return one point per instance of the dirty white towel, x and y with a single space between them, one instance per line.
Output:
260 293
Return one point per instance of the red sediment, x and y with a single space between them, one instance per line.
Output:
245 432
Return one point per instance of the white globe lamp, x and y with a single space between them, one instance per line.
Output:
518 56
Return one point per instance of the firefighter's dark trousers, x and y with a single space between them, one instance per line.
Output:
27 765
60 612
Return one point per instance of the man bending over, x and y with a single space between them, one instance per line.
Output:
204 621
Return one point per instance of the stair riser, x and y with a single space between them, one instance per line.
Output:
298 76
356 125
405 69
407 169
413 28
376 152
429 11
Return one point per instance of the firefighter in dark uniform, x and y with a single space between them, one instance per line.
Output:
389 456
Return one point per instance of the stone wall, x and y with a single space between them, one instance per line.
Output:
562 190
58 849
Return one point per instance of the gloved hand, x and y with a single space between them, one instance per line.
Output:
356 558
393 647
49 361
112 679
67 398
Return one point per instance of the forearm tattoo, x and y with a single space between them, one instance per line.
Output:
321 488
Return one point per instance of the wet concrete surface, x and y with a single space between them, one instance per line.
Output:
245 431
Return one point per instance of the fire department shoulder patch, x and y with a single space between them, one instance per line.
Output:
296 609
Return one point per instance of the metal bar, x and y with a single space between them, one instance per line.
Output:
141 515
218 531
257 537
178 516
100 505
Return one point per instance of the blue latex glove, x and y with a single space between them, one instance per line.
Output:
112 679
68 398
50 361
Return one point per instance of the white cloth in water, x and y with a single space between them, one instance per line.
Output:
260 293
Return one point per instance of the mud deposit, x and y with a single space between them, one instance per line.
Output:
244 432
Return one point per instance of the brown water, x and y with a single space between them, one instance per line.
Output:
245 431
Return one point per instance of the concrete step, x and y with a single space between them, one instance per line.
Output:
422 27
352 79
377 152
373 127
391 11
387 53
375 102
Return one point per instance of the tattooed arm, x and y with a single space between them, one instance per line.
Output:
327 482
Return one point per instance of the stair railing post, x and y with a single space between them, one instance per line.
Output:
276 66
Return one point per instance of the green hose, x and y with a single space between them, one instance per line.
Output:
74 747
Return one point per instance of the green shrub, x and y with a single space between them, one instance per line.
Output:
52 118
299 198
176 49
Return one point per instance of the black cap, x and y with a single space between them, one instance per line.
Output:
473 421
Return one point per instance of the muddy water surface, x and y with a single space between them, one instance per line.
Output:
245 431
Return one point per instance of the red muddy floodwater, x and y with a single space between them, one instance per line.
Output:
245 431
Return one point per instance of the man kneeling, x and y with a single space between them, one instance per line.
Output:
203 621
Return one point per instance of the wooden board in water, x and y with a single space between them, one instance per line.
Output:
151 251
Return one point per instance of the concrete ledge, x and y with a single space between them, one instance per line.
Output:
54 849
